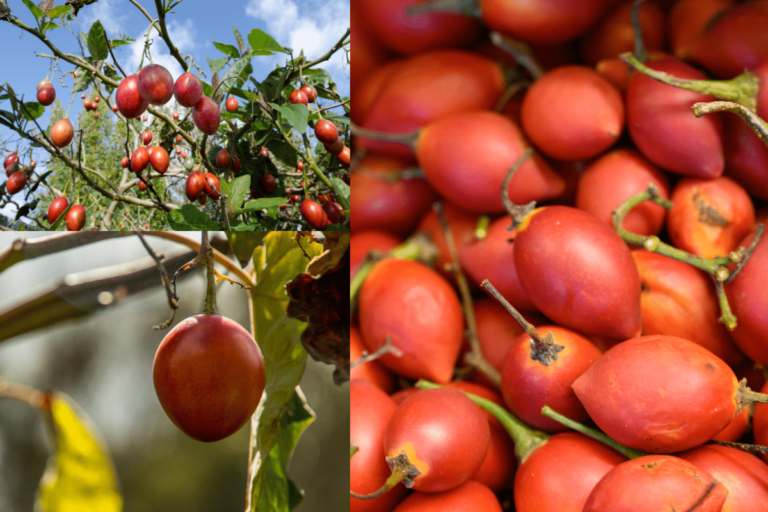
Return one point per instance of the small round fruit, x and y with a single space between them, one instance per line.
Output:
142 184
310 92
125 161
94 105
206 115
212 186
188 90
16 182
45 93
326 131
223 158
235 164
195 185
75 218
11 168
62 133
297 97
344 157
333 210
155 84
209 376
178 139
129 101
139 159
114 108
231 104
58 206
183 154
335 147
175 115
97 99
146 137
300 165
82 96
188 163
11 159
314 214
268 182
158 159
96 115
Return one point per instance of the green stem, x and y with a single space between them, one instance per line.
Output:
628 452
526 439
741 89
759 126
640 51
465 7
409 139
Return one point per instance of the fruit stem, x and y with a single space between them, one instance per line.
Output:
509 92
751 448
741 89
526 439
517 212
386 348
628 452
520 51
409 139
210 294
544 350
353 450
745 396
475 357
481 229
759 126
403 471
640 51
465 7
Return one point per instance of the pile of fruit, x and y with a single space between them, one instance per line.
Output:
596 350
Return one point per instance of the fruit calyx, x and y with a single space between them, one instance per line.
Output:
403 470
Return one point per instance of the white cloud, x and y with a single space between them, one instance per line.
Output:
104 11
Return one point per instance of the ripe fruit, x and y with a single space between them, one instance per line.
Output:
142 184
159 159
344 157
146 137
235 164
56 208
87 104
16 182
310 92
175 115
183 154
125 161
45 93
206 115
231 104
314 214
82 96
223 158
212 186
13 158
11 168
139 159
209 376
178 139
130 103
96 115
326 131
300 165
195 185
97 99
114 108
75 218
335 147
333 210
268 182
187 90
298 96
62 133
155 84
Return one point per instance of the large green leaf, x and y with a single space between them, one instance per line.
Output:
263 43
238 189
295 115
189 218
227 49
244 245
97 42
80 476
278 261
261 204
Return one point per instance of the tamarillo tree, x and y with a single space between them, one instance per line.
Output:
277 147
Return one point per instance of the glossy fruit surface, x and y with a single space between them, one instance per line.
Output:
146 137
470 496
188 90
142 183
155 84
13 158
212 185
371 371
344 157
75 218
139 159
310 92
195 185
335 147
159 160
223 158
235 164
333 210
129 102
447 449
313 213
268 182
62 133
326 132
297 97
231 104
209 376
56 208
206 115
16 182
175 115
87 104
46 94
125 161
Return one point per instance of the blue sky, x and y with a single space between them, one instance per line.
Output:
311 25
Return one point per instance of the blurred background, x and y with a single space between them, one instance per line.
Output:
104 362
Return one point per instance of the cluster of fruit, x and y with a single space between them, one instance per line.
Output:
634 300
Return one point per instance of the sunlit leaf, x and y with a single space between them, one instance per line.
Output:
244 245
295 115
189 218
97 43
261 204
262 43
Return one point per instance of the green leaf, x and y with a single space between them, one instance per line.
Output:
261 204
238 189
83 81
239 38
59 11
8 115
97 42
48 25
121 42
216 65
336 118
278 261
35 110
227 49
234 72
35 10
189 218
263 43
244 245
296 115
80 476
343 187
283 152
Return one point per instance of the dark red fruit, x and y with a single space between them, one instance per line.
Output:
268 182
298 96
139 159
326 132
62 133
155 84
195 185
212 185
142 184
16 182
75 218
58 205
314 214
335 147
159 159
223 158
45 93
129 101
209 376
333 210
235 164
146 137
187 90
13 158
96 115
206 115
125 161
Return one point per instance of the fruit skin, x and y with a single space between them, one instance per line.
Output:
11 159
656 482
188 90
470 496
223 158
45 93
420 311
297 97
659 394
344 157
125 161
326 132
335 147
11 168
175 115
16 182
56 208
446 448
599 298
155 84
212 185
333 210
206 115
314 214
75 218
139 159
300 165
62 133
96 115
158 159
235 164
268 182
87 104
231 104
146 137
129 102
114 108
209 376
142 184
310 92
371 371
195 185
